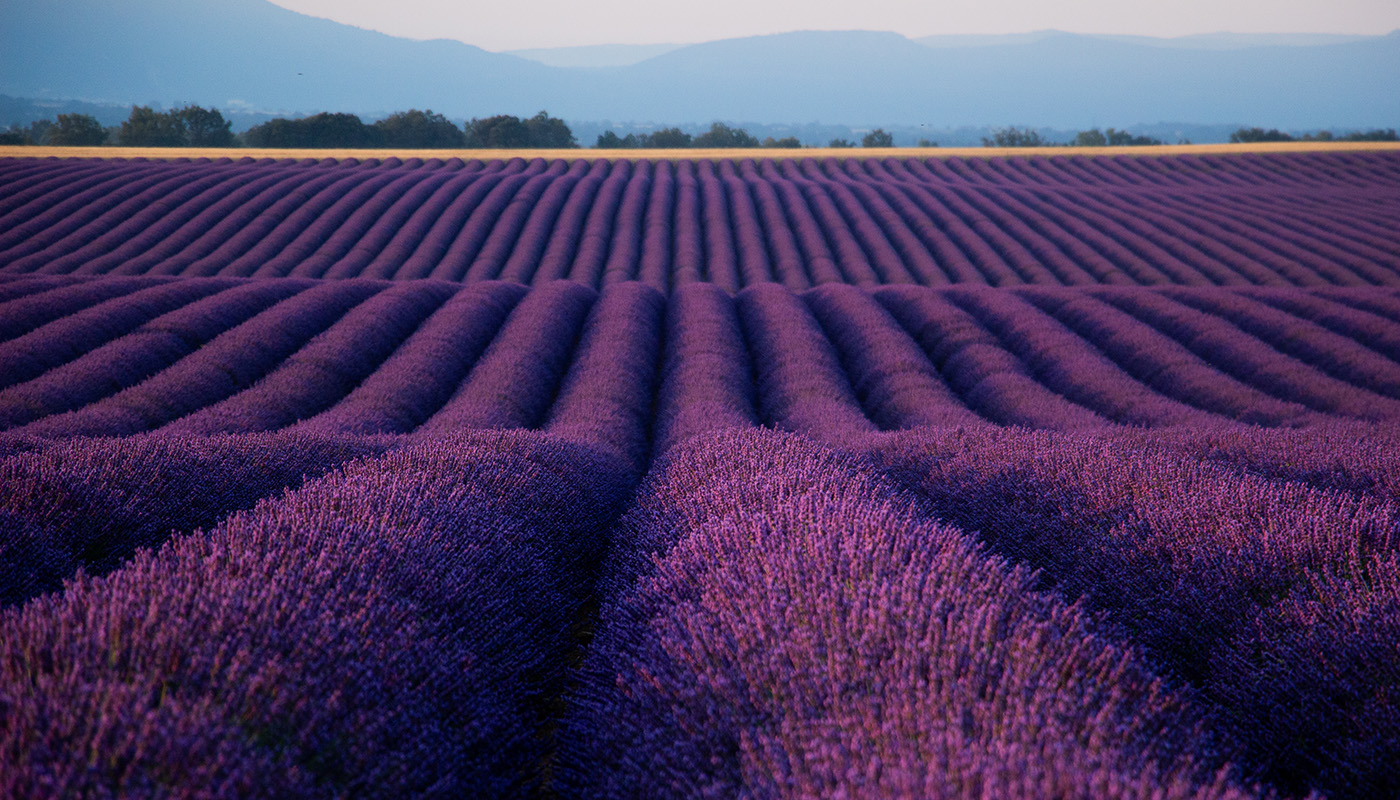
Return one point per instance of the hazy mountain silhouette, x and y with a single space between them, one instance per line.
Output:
232 52
250 54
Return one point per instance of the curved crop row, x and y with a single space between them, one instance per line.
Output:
377 357
1276 599
779 620
733 222
408 643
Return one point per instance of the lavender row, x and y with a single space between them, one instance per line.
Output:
736 223
91 504
399 627
836 362
779 620
1272 593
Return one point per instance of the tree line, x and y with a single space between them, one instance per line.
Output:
195 126
1251 135
722 136
1028 137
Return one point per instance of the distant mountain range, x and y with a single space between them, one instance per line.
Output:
252 56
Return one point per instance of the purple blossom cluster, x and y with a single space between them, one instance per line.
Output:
781 620
959 477
397 627
1299 219
631 370
1274 593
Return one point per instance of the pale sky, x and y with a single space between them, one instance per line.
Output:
518 24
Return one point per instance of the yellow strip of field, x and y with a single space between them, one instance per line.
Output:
693 154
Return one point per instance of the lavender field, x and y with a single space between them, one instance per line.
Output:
958 477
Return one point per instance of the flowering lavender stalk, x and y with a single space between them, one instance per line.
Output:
705 380
326 368
607 398
231 362
23 314
1277 599
780 621
798 380
515 381
396 628
130 359
891 376
424 372
90 504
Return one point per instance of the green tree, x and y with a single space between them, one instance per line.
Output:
721 136
788 142
502 131
1014 137
609 140
665 139
840 143
877 138
544 131
14 135
338 130
206 127
76 130
419 129
324 130
39 131
1125 139
275 133
1114 138
1250 135
1377 135
1090 138
147 127
927 143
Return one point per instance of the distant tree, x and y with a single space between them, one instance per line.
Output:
1114 138
147 127
275 133
1250 135
839 143
1377 135
419 129
877 138
666 138
1125 139
788 142
205 127
927 143
1014 137
609 140
1090 138
320 130
14 135
76 130
545 131
722 136
39 131
339 130
504 131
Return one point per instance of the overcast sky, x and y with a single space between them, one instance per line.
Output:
517 24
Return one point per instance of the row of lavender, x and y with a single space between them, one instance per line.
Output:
121 356
1248 219
941 612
